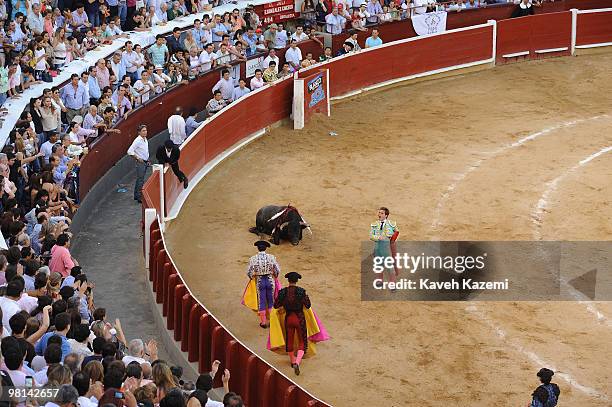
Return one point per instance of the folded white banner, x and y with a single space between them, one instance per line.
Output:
429 23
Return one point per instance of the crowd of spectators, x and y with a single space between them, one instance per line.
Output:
53 336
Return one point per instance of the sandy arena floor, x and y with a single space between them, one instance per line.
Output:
440 155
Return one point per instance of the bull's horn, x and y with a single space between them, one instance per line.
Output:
306 224
277 215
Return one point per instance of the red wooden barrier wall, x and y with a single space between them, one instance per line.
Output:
594 28
534 34
407 58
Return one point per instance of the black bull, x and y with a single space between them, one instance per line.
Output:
288 226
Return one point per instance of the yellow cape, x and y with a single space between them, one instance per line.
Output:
278 333
249 298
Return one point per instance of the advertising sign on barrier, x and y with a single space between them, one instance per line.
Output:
310 95
252 65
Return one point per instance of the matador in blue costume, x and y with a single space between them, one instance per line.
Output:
263 286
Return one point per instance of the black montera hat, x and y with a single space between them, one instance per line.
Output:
545 373
261 243
293 276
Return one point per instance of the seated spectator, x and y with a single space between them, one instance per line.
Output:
90 42
385 16
327 55
79 135
269 75
89 393
286 71
271 57
353 40
142 22
240 91
80 21
215 104
308 61
52 357
9 304
394 11
257 80
347 47
374 40
199 398
205 384
191 123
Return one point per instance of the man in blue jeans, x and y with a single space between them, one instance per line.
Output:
139 151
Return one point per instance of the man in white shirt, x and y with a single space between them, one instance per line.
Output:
225 85
299 34
144 87
176 127
139 151
364 14
271 57
294 56
130 59
281 37
9 304
223 56
137 352
207 58
334 22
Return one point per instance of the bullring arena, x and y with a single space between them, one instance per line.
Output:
519 152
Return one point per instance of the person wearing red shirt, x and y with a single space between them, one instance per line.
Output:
61 260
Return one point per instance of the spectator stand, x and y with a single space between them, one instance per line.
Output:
144 38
